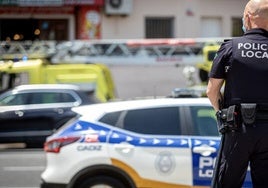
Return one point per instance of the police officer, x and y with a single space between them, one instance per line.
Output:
241 64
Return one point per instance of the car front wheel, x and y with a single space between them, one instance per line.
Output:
102 182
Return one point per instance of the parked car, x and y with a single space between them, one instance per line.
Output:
156 143
30 113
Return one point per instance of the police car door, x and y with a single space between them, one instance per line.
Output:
205 139
149 147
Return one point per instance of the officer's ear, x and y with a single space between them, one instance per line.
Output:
250 19
247 21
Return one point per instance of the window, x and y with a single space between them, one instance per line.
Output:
159 121
18 99
158 27
237 27
65 97
37 98
204 120
110 118
211 26
33 29
51 97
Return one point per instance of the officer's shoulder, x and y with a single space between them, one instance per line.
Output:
226 42
229 39
233 38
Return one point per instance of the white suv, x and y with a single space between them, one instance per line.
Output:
167 142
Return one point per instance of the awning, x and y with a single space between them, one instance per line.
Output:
37 10
84 2
42 3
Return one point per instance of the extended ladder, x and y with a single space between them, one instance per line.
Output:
184 51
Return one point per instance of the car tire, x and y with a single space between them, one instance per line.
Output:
34 145
106 181
203 75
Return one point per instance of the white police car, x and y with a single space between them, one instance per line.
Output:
160 143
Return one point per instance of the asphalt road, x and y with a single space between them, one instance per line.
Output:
21 168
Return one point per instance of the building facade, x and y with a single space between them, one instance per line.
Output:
177 18
119 19
50 19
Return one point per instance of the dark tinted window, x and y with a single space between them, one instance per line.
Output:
204 120
66 97
47 97
18 99
37 98
160 121
110 118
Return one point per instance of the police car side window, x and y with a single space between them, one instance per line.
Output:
204 121
159 121
110 118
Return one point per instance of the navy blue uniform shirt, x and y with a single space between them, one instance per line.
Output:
243 63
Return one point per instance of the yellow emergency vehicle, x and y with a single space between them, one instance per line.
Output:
90 77
209 51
